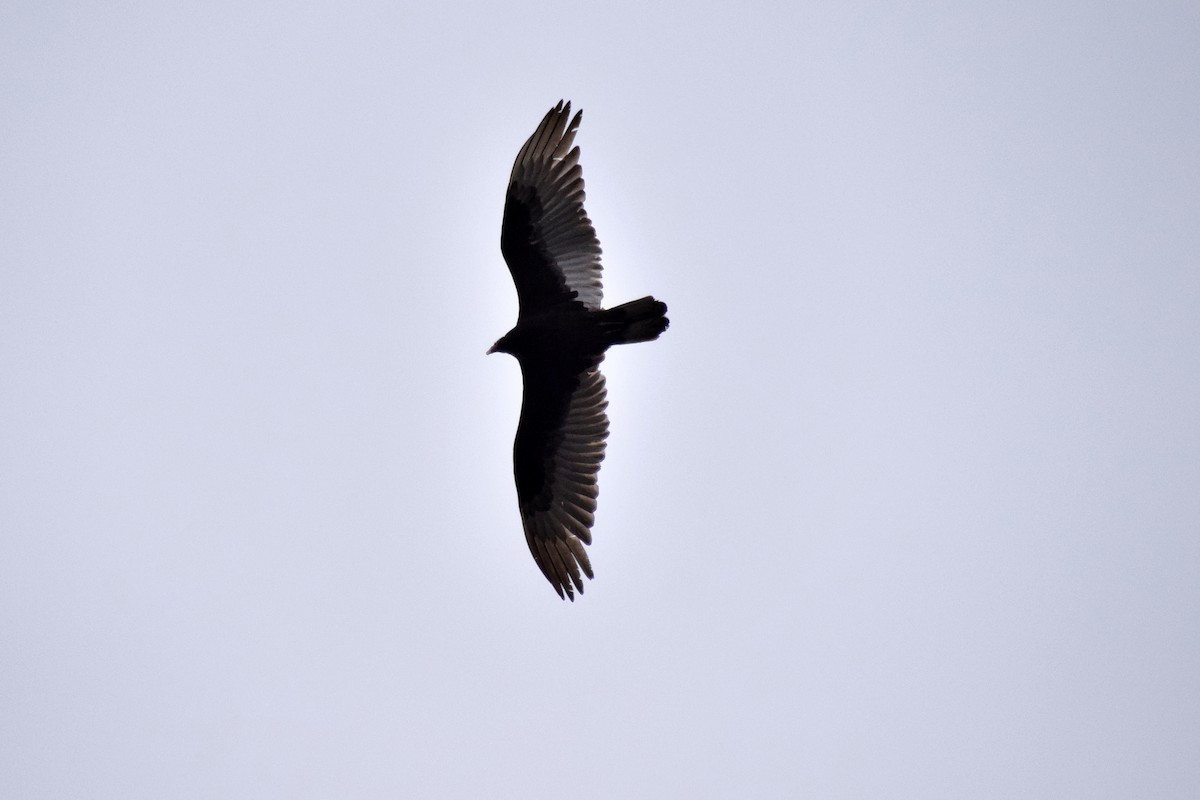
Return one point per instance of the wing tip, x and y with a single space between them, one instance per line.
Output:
561 557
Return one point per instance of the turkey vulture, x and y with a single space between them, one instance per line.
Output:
559 340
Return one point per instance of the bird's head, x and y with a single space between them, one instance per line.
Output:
501 346
514 342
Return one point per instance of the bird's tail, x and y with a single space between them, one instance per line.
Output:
636 321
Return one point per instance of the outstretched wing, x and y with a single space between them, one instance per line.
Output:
556 458
546 237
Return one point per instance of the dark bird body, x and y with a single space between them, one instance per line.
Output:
559 340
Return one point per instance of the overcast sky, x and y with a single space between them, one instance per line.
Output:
905 504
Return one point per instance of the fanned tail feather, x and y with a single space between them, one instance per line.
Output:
636 321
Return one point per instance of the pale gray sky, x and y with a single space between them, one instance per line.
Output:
905 504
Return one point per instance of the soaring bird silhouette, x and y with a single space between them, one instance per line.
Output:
559 339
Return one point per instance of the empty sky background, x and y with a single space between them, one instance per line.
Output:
906 503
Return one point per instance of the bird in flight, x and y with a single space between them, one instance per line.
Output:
559 340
